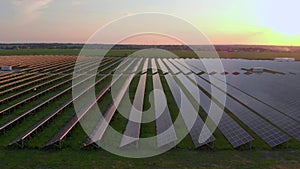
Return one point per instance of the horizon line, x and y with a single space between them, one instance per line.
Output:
131 44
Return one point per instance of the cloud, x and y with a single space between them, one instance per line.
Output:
29 10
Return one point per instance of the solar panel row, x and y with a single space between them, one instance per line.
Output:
271 135
103 123
162 66
84 110
34 109
132 131
236 135
272 116
7 109
199 132
164 125
31 75
47 118
171 66
153 66
68 72
181 68
262 91
277 91
284 122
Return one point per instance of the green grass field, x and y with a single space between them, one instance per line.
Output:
179 53
71 52
176 158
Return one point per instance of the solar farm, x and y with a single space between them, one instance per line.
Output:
261 109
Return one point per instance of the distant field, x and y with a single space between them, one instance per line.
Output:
180 53
261 55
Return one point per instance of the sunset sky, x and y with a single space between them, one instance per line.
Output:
266 22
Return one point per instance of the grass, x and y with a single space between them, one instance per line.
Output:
179 53
176 158
51 129
148 129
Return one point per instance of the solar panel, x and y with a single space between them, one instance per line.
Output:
29 77
284 122
278 91
162 66
188 113
124 68
133 126
164 125
192 68
103 123
75 119
180 67
40 79
171 66
145 66
198 64
236 135
267 132
47 118
132 69
137 67
153 66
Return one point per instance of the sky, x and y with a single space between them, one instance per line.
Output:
259 22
